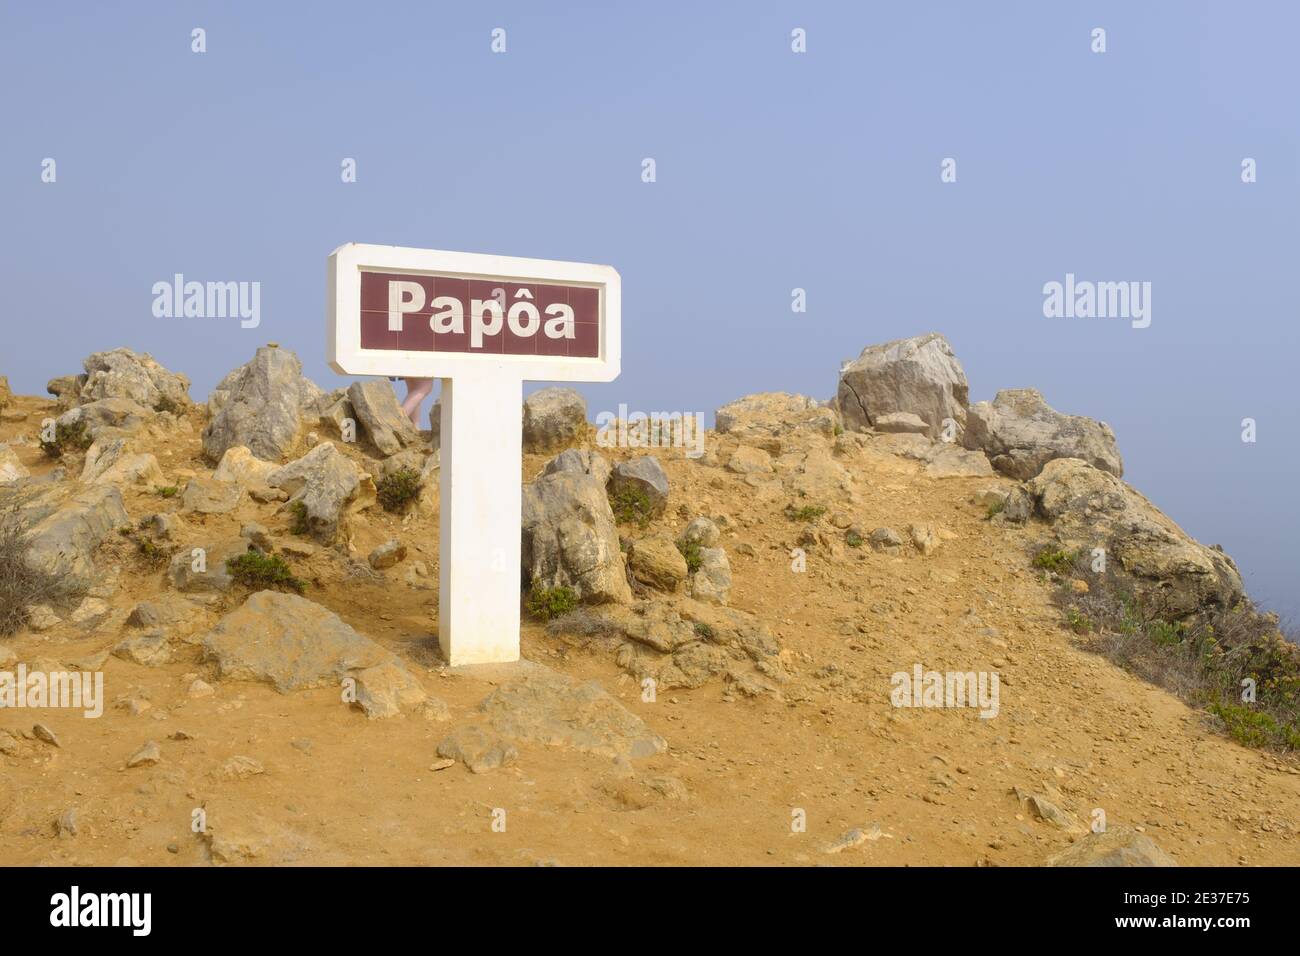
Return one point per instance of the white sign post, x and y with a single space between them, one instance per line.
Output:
484 325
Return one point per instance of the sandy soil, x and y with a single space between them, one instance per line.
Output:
340 789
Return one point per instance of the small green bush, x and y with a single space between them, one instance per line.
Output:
546 603
72 436
262 571
806 513
167 491
298 523
166 404
631 506
397 490
1053 560
691 552
853 539
703 631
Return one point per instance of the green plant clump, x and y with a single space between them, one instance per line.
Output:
546 603
631 505
261 571
691 552
397 490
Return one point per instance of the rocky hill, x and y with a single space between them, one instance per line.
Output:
892 628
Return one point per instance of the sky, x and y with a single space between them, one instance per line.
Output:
774 170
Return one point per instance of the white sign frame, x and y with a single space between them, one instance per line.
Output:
481 428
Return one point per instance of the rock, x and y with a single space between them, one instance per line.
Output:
1169 569
767 419
553 710
386 689
1113 848
920 375
207 496
703 532
6 393
570 539
67 825
293 644
380 416
886 539
478 749
165 611
45 735
147 756
108 417
952 461
199 689
11 468
747 460
41 617
924 537
643 475
1021 433
148 649
902 423
124 374
656 562
66 389
580 461
1043 809
258 536
206 571
553 417
90 613
240 767
241 466
260 406
712 582
66 528
329 486
108 462
387 554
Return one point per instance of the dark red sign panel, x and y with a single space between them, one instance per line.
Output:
432 313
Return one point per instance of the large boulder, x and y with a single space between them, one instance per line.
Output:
1021 433
6 393
294 644
327 486
1090 508
1120 847
919 375
642 476
65 529
657 562
553 417
582 461
124 374
109 461
767 418
107 417
570 539
380 416
261 405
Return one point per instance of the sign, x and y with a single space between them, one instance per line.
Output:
484 325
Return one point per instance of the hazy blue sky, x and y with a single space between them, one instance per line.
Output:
775 170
